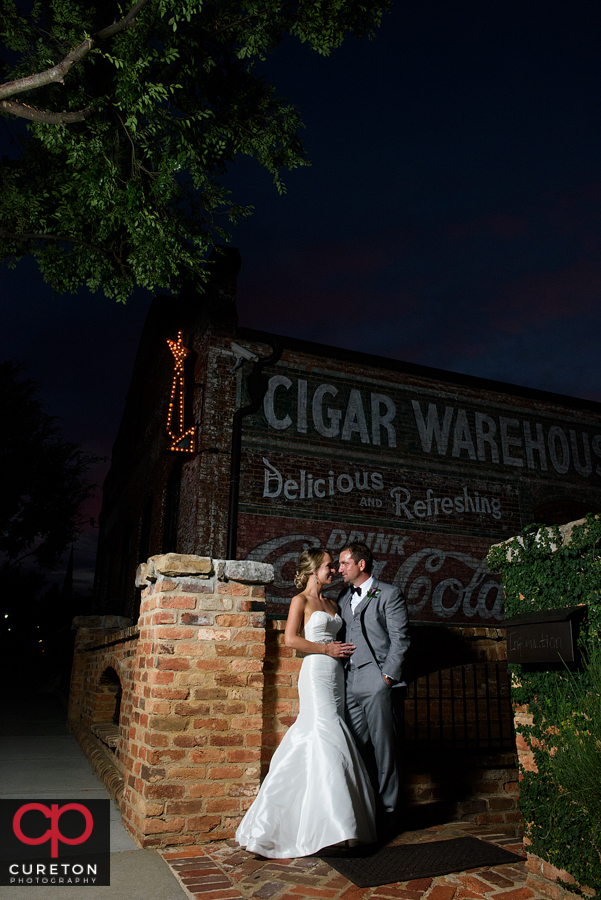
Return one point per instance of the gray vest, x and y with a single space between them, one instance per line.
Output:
362 654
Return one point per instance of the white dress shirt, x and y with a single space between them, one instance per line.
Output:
360 593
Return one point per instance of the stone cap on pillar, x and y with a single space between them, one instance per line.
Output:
565 534
186 566
246 571
173 565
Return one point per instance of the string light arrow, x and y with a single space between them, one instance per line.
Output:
183 440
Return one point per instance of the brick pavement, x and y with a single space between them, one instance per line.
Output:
222 871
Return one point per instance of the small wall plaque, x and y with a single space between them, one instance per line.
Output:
547 636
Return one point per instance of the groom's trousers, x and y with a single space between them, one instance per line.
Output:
369 713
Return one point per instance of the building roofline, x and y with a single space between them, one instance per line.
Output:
429 372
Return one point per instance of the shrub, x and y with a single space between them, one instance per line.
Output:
542 570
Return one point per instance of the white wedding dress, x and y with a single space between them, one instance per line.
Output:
317 791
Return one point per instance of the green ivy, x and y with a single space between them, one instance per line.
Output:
539 571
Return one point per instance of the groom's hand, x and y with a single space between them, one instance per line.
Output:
339 650
389 681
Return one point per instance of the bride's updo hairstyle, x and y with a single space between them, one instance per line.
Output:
308 562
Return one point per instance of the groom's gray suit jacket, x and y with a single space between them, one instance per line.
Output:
378 628
379 631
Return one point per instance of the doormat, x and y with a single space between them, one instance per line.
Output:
405 862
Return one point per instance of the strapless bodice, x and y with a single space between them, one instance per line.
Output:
322 627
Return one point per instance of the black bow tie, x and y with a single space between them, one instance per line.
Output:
355 590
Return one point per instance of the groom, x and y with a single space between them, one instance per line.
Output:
376 622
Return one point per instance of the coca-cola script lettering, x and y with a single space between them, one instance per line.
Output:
441 583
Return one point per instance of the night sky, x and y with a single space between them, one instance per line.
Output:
451 217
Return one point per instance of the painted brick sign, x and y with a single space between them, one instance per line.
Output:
319 488
403 424
427 478
443 576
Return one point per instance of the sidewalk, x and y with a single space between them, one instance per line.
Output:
41 760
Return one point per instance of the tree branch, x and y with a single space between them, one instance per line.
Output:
57 73
219 29
11 236
133 147
127 21
15 563
39 115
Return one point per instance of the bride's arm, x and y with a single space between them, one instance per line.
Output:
295 624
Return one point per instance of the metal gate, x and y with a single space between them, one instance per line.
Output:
461 708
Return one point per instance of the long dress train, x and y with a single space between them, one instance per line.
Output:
317 791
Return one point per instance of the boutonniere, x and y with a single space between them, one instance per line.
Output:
372 592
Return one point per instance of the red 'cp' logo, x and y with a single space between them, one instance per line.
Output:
53 812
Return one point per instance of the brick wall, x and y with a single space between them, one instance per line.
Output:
103 642
280 703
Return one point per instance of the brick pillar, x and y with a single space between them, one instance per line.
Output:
192 764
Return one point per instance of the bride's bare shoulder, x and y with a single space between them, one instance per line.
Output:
298 605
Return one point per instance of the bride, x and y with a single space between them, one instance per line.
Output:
317 792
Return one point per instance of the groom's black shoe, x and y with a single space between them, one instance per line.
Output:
388 826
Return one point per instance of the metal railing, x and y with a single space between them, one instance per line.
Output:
461 708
